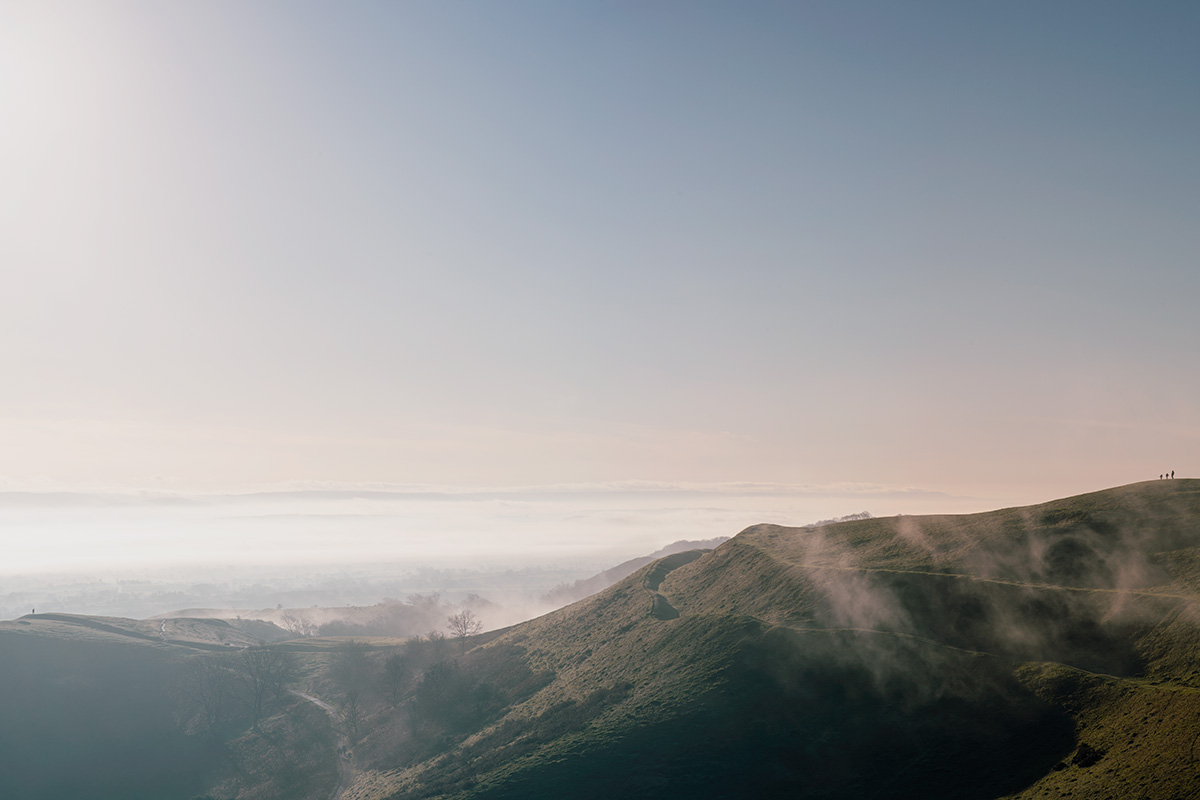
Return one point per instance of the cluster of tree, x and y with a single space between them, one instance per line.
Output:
452 699
273 745
222 690
409 617
437 703
422 670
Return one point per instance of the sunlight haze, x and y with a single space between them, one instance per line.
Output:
602 267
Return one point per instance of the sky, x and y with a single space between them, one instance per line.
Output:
896 257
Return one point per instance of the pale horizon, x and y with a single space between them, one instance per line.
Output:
896 258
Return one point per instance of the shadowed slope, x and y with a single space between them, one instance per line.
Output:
87 718
105 707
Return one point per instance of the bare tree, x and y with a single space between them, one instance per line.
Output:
205 687
464 624
437 644
396 670
351 672
299 625
284 672
261 670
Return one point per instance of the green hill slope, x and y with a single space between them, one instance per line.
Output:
100 708
1027 652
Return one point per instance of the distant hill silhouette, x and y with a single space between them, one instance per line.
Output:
585 587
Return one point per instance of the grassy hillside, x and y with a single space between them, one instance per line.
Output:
87 718
1040 651
100 707
1047 651
569 593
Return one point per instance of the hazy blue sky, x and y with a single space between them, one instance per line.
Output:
936 246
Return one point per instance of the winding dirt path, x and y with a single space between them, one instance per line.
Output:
345 765
660 607
1149 591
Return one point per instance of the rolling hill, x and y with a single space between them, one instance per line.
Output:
584 587
1040 652
1044 651
92 707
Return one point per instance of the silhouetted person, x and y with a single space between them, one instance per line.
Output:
1160 477
1172 474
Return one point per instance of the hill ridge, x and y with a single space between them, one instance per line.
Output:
905 619
1022 653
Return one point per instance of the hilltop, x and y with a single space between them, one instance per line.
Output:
1024 652
584 587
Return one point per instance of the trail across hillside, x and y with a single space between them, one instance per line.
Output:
1147 592
660 607
93 624
345 765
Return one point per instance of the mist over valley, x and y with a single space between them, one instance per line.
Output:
544 401
1015 653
